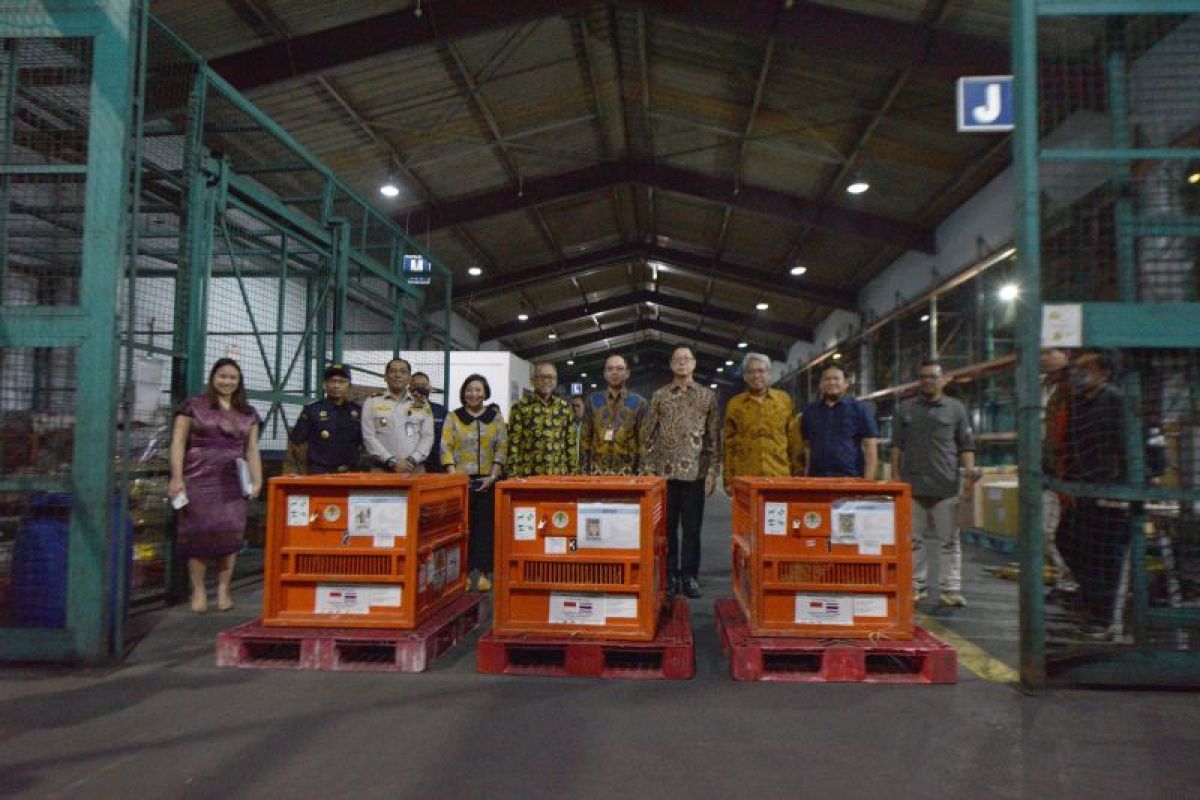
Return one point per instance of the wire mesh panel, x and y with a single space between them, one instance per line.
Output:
1118 223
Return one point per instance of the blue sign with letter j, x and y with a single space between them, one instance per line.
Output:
985 103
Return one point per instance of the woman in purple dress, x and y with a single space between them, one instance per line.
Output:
212 431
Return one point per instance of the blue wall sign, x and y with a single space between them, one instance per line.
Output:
417 270
985 103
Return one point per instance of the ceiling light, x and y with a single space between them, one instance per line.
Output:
837 356
762 306
720 369
593 386
858 187
712 386
583 374
522 317
552 335
570 362
743 345
1009 292
1194 178
729 362
799 270
475 272
924 318
389 189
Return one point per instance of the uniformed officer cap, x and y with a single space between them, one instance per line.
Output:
337 371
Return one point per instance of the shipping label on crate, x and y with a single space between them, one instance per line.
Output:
620 606
297 510
525 524
824 609
555 545
870 606
380 516
615 526
453 564
775 517
867 524
342 600
384 596
577 609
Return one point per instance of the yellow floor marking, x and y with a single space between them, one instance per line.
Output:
971 655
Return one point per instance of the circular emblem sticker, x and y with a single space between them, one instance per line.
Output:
560 519
812 520
332 513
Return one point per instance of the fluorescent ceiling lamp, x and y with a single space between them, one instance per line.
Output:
858 187
743 345
762 306
1009 292
389 189
799 270
837 356
552 336
924 318
570 362
720 369
522 317
1194 178
712 386
475 272
729 362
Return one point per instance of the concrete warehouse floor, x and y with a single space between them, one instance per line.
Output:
167 723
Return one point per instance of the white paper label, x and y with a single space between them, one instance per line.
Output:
824 609
868 521
385 596
556 545
775 519
383 541
1062 325
870 606
577 609
297 506
453 564
525 524
342 599
379 514
620 606
613 526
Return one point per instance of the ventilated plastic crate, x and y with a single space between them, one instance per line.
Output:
334 558
823 557
580 557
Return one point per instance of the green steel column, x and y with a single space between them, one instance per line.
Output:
310 301
447 298
397 297
342 243
280 308
195 247
6 139
1029 323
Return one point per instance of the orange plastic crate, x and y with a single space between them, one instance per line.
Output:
330 564
800 568
557 574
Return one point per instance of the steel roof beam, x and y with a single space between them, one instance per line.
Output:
536 191
630 299
817 28
540 351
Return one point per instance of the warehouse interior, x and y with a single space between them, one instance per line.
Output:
183 181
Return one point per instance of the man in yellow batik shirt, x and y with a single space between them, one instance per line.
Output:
761 432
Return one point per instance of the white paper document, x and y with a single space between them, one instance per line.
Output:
525 524
1062 325
343 599
243 471
383 541
608 525
870 606
297 509
775 519
556 545
379 515
866 523
824 609
577 609
384 596
620 606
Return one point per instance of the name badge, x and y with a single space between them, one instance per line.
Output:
609 434
410 429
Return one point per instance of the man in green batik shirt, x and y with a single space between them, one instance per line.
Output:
541 430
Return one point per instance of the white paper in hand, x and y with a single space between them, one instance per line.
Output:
243 471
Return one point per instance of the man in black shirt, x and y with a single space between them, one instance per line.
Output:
331 429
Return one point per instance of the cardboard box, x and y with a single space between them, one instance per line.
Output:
1000 505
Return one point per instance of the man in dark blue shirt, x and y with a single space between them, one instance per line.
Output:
331 429
420 385
839 432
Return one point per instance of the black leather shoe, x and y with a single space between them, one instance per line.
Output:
672 585
691 587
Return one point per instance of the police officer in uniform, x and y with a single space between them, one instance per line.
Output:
397 426
331 428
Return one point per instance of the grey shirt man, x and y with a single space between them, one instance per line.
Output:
932 434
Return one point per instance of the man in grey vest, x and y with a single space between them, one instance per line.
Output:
931 437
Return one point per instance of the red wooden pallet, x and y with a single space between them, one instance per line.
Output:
671 655
349 649
923 659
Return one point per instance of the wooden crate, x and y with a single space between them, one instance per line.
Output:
799 571
330 563
580 557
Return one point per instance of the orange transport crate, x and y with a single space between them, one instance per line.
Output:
580 557
826 557
334 558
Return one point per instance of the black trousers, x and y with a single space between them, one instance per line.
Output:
1092 539
482 525
685 508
